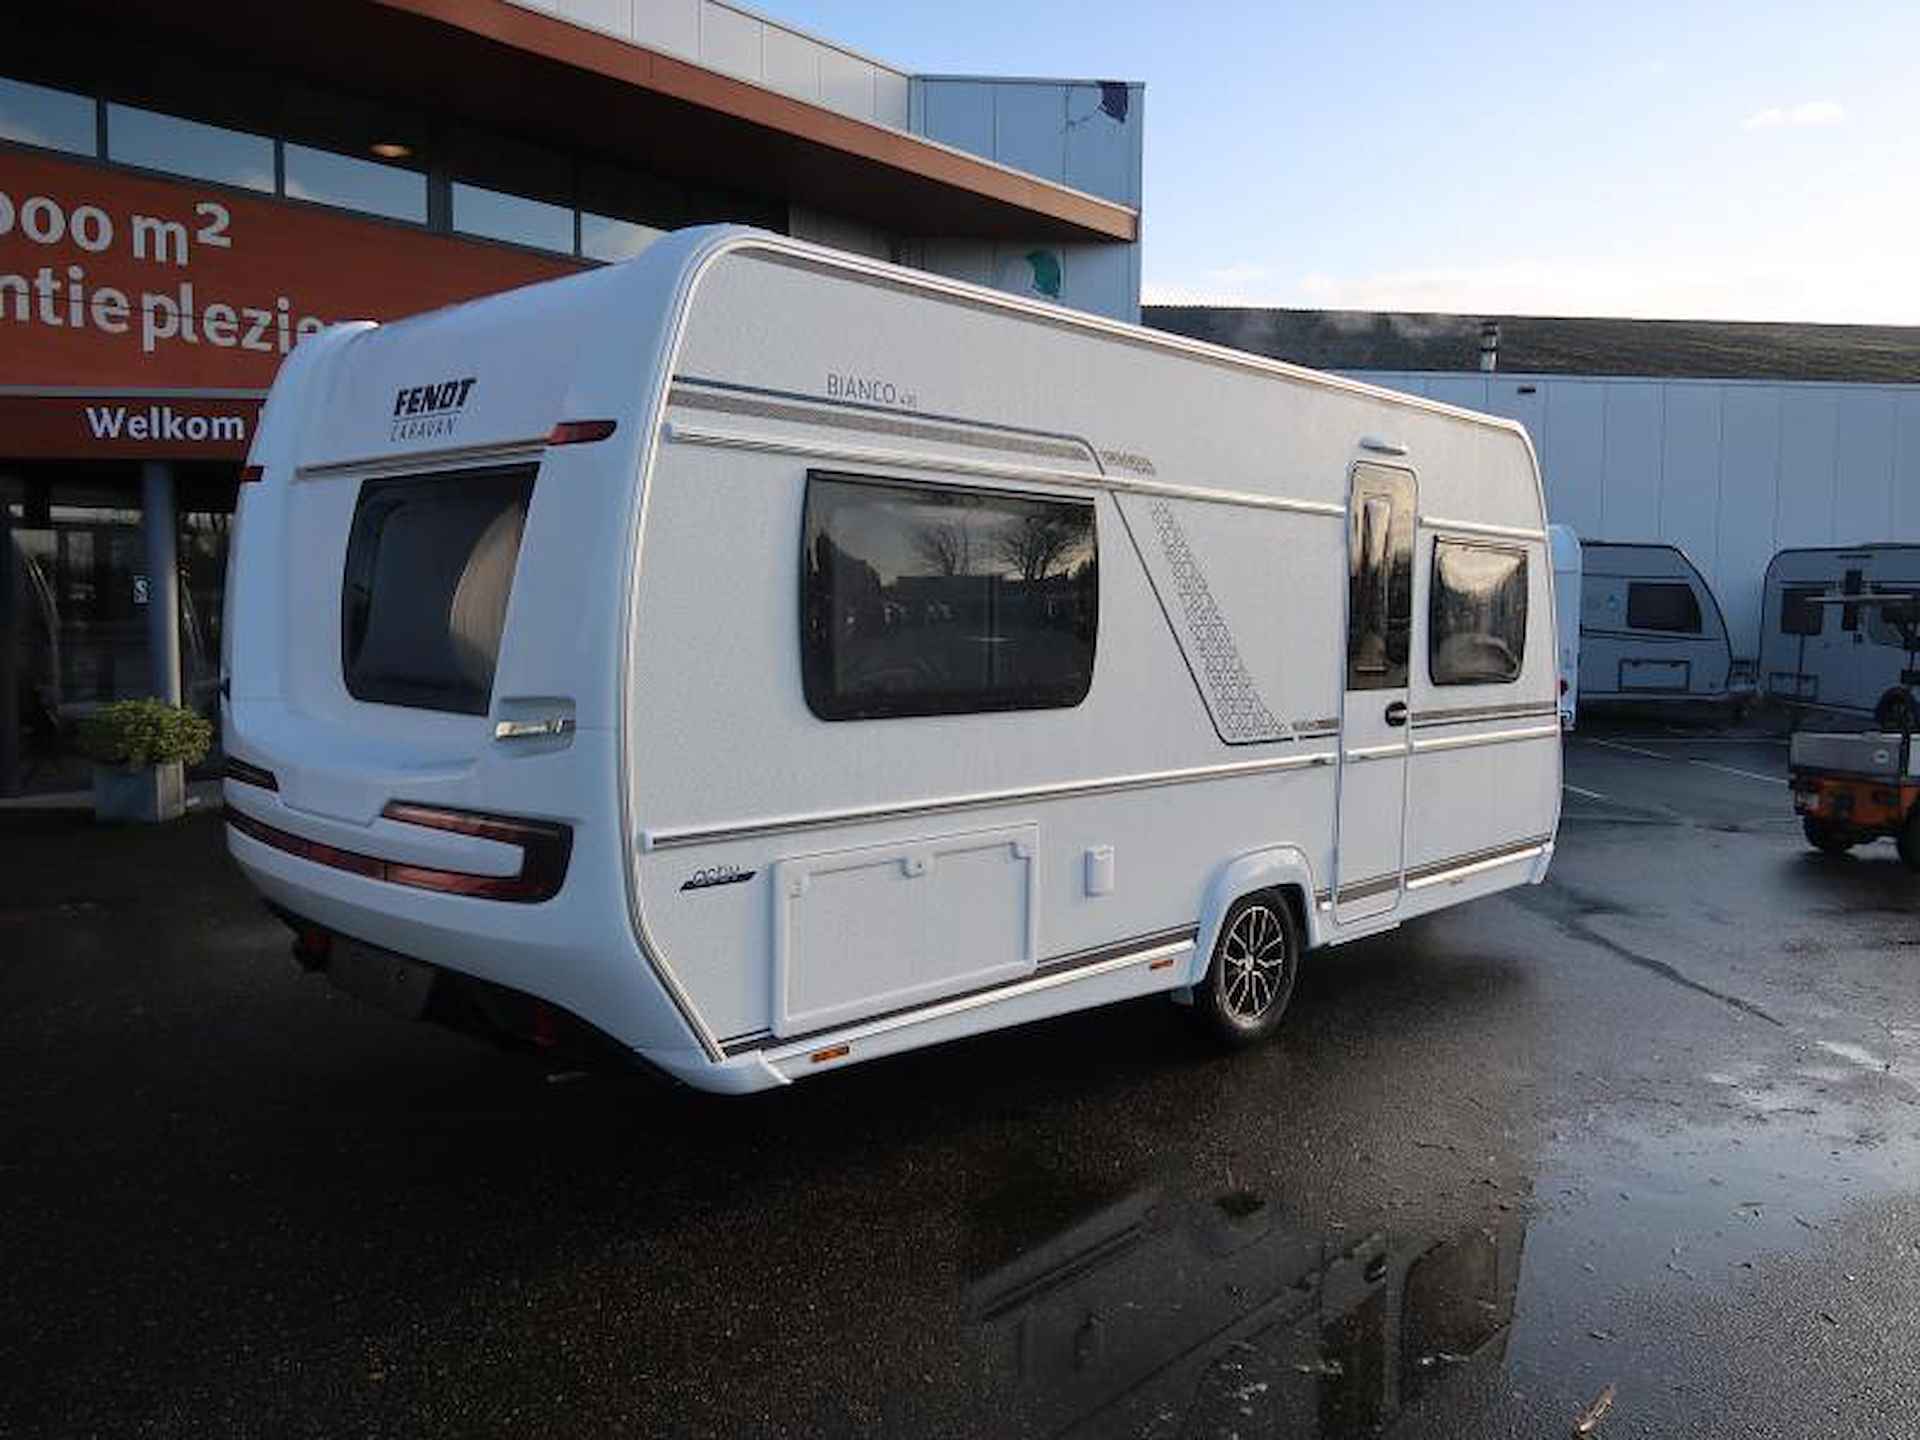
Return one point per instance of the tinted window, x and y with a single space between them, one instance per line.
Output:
1798 614
932 600
1884 622
500 216
1667 605
1379 578
1477 614
353 184
35 115
186 147
430 567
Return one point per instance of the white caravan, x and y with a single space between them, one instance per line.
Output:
775 659
1837 657
1650 628
1566 615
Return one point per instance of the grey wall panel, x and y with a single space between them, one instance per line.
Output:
1467 390
1690 474
1809 421
1030 129
669 25
1103 153
957 113
1906 463
792 63
1863 468
1749 500
1630 494
1573 456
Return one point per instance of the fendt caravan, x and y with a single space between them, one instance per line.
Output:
766 659
1835 657
1650 628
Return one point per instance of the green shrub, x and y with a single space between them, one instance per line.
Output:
144 732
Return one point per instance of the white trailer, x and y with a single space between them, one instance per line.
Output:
1651 629
1566 614
1839 657
770 659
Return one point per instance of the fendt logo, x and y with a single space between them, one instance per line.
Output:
422 411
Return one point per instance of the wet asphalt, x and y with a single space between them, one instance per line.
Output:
1646 1132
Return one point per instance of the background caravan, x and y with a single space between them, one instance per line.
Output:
1565 545
1650 628
1844 657
765 660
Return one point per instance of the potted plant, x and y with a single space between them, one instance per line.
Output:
140 750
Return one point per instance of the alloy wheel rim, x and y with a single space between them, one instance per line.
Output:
1253 963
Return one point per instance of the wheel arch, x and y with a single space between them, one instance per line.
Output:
1281 867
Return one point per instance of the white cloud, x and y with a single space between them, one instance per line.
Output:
1806 115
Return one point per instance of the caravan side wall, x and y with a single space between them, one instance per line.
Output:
1839 658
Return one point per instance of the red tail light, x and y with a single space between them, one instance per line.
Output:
545 849
252 473
580 432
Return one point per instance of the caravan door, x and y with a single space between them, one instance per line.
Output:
1375 738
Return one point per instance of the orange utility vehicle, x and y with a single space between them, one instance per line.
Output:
1849 788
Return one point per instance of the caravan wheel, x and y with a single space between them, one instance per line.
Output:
1826 837
1909 839
1254 964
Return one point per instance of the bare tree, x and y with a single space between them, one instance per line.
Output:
946 546
1033 544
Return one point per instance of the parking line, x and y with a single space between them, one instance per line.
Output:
1585 794
1746 774
1630 749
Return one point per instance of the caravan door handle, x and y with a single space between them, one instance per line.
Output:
1397 713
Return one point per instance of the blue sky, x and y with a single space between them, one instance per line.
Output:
1738 161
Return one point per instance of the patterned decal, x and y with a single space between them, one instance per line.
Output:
1243 717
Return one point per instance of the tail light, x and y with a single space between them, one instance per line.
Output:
545 849
580 432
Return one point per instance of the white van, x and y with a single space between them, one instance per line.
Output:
767 659
1565 545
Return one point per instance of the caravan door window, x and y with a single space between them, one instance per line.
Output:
1476 614
1668 605
934 600
1379 578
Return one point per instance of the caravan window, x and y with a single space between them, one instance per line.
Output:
1668 605
1798 614
1883 621
430 564
1477 614
934 600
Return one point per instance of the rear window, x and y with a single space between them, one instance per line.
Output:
934 600
1668 605
430 567
1476 614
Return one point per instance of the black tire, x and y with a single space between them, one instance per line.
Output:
1908 840
1827 837
1250 977
1895 712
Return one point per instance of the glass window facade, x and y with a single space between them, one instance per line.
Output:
497 215
325 178
51 119
604 238
187 147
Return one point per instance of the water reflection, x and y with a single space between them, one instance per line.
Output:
1154 1318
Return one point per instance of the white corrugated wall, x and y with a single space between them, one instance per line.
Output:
1729 470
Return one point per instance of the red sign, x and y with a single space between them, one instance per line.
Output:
111 282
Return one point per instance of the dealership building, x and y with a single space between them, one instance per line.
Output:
189 187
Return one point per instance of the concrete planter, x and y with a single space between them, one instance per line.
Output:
144 794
